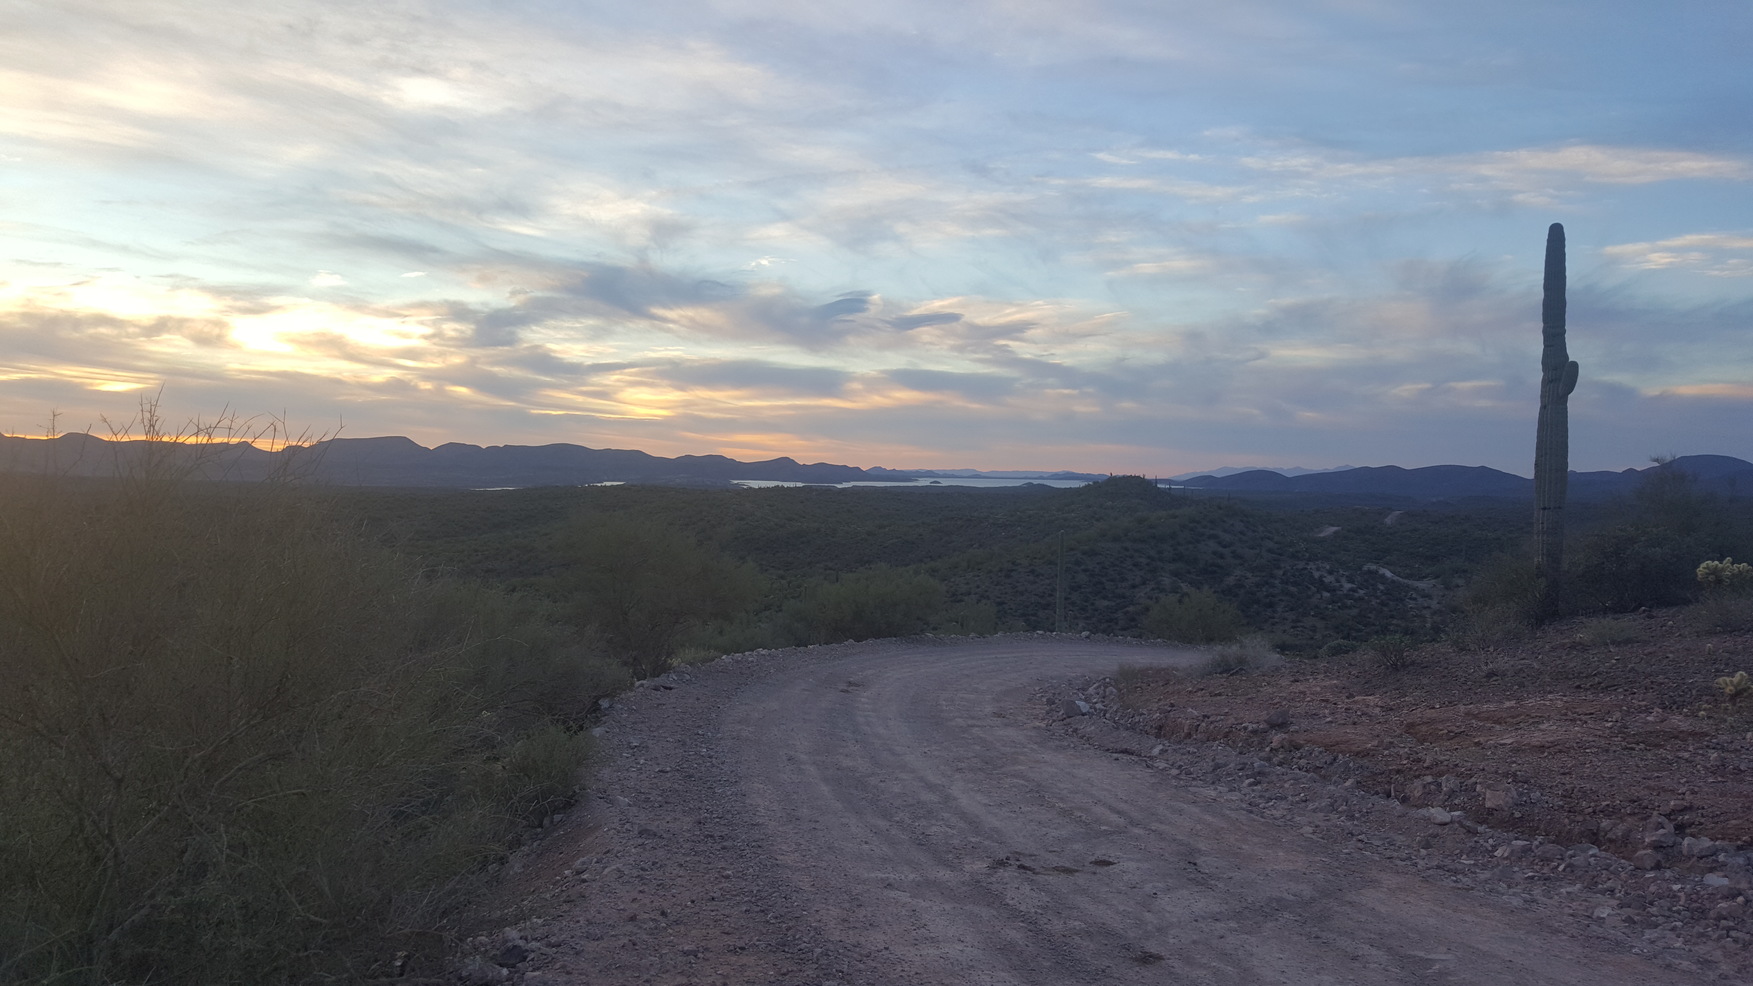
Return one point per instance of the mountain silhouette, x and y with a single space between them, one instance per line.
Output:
1720 474
398 461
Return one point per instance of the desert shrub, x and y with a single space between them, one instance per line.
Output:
1338 648
1607 632
1391 653
876 602
1721 613
645 586
1625 567
1248 654
1504 591
968 619
1669 499
536 774
1196 617
239 744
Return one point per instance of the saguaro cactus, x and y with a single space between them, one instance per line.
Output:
1552 445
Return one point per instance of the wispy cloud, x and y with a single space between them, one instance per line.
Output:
1716 254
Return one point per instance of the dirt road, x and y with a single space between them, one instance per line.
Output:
915 812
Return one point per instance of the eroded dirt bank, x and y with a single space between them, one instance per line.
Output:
921 812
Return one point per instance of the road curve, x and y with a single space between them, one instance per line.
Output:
912 805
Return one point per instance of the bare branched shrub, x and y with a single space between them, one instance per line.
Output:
1249 654
238 744
1391 653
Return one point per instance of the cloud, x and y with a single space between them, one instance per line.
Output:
974 386
758 375
907 323
1716 254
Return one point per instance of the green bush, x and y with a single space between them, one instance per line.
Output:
238 744
645 587
877 602
1339 648
1196 617
968 619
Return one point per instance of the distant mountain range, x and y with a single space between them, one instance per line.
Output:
1722 474
879 472
402 462
397 461
1232 470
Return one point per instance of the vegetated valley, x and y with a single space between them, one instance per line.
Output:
830 564
277 734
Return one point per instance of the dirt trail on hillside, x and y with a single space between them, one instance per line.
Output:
916 812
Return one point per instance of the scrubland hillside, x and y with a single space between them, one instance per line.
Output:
271 734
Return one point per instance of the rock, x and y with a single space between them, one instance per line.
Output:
1071 708
1497 794
1696 848
1549 850
1425 790
606 703
1658 832
513 954
1715 880
1278 718
1439 816
1731 910
477 971
1282 742
1647 859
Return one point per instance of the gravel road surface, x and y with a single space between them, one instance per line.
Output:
920 812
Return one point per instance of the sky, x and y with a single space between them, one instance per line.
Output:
1130 237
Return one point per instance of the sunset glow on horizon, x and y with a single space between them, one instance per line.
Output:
1109 237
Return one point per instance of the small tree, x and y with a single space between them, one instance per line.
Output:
1197 617
644 586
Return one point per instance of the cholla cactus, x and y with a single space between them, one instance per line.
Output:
1734 686
1727 575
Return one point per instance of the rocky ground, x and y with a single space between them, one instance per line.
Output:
806 817
1594 763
